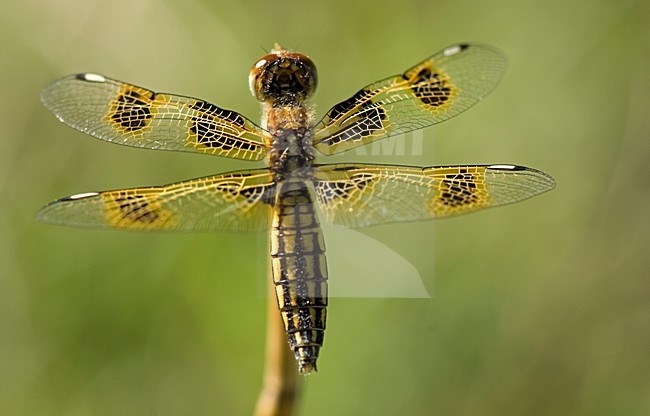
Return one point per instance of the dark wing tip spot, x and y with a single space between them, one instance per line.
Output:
90 77
507 167
78 196
543 179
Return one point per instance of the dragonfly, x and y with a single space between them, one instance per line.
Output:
292 192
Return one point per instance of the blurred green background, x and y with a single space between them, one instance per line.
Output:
540 308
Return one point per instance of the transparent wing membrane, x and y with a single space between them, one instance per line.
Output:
133 116
236 201
430 92
356 195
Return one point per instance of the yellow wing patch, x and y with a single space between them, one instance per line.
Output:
458 190
134 116
430 92
130 112
137 209
356 195
432 87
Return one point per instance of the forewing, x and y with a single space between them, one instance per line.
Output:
236 201
430 92
356 195
133 116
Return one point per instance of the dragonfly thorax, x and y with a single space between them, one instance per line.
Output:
291 132
291 152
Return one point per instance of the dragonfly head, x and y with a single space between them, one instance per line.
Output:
283 77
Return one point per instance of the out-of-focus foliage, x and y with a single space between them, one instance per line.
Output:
538 308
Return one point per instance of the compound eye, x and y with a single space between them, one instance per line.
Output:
308 74
283 77
256 71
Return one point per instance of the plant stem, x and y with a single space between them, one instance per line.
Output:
280 392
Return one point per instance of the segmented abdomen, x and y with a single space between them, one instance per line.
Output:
299 271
